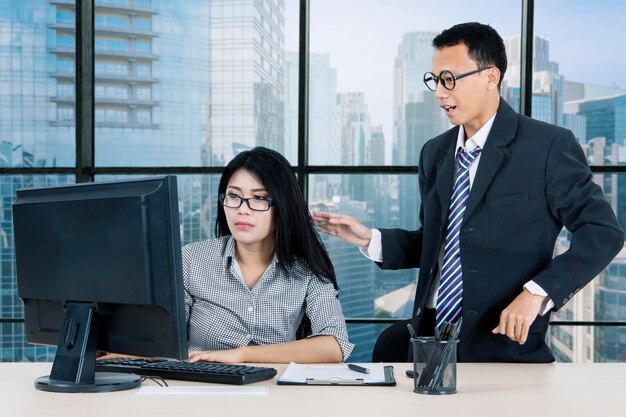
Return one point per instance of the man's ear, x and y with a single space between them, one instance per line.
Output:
493 75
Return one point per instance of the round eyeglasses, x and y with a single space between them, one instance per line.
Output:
447 78
254 203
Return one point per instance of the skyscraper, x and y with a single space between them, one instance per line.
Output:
176 83
355 127
376 146
247 71
416 113
547 84
603 117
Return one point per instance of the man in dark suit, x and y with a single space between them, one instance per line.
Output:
486 255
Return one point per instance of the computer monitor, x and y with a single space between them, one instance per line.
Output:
99 268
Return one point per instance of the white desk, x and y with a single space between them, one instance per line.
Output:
484 390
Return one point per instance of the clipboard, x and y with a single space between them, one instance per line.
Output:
340 374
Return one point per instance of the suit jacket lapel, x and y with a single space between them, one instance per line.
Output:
445 173
492 156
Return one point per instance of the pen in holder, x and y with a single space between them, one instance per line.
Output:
434 361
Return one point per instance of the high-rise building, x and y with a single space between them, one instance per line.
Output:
355 127
416 113
324 121
610 301
247 76
603 117
547 85
376 146
324 112
574 90
355 276
176 83
290 88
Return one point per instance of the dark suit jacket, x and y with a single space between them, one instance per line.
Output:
532 179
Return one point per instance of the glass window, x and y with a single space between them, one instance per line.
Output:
115 115
142 23
65 41
142 46
582 344
144 116
142 69
110 67
117 22
13 346
365 289
66 17
372 96
142 3
65 65
203 85
111 21
35 57
111 44
229 82
65 89
65 114
567 90
143 93
111 91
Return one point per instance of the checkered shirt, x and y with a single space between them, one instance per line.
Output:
223 313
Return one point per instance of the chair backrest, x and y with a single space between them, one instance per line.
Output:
304 330
393 344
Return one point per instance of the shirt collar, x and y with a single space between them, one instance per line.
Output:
229 253
478 140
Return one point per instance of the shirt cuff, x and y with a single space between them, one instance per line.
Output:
374 251
535 289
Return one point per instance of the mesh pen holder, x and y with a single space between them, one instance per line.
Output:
434 365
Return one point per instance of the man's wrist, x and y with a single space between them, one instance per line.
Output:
369 239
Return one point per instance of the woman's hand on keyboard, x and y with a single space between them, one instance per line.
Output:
223 356
107 355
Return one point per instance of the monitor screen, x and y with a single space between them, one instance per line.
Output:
99 268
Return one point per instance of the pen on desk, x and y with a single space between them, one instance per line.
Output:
358 368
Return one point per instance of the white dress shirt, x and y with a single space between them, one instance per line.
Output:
375 250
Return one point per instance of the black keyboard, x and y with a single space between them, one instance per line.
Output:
188 371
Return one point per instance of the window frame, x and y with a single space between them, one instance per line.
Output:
85 169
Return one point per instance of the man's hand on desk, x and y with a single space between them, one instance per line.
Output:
223 356
516 318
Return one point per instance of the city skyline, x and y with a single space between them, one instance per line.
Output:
161 105
365 64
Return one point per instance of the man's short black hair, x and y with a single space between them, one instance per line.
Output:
484 45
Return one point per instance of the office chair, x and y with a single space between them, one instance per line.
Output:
393 344
304 330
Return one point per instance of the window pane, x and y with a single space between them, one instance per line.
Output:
36 85
201 83
581 344
13 346
368 104
604 299
197 204
365 289
568 88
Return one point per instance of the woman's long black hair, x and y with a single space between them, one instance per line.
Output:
296 237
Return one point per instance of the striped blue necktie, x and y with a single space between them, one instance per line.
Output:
450 295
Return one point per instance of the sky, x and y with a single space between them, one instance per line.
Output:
587 39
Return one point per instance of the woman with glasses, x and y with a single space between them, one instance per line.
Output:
265 276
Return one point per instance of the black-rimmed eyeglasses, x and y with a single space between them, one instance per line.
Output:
254 203
448 79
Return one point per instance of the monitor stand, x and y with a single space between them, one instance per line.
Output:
74 364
